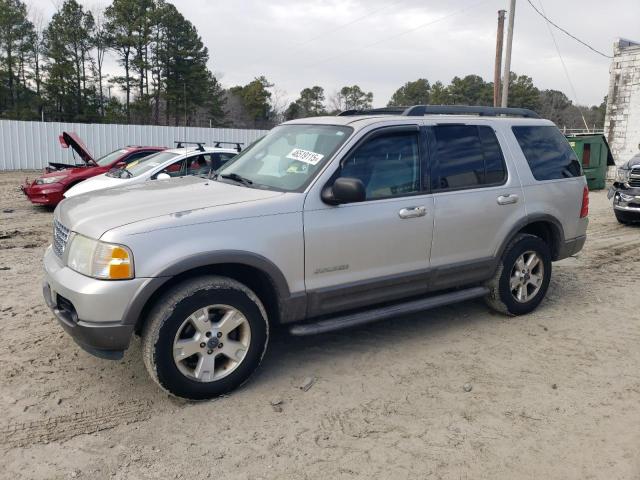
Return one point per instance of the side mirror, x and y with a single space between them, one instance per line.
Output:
163 176
344 190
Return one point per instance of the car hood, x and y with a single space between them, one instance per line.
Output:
71 139
98 212
633 162
66 172
98 182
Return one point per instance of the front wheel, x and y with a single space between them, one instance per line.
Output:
522 278
205 338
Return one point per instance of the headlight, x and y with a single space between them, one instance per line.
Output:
47 180
626 198
622 175
105 261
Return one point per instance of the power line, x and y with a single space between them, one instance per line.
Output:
564 67
565 32
340 27
299 46
405 32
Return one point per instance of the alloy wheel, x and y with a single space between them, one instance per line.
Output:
527 276
211 343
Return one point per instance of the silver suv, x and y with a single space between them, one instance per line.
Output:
324 223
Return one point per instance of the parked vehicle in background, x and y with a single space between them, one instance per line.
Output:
625 191
176 162
49 188
325 223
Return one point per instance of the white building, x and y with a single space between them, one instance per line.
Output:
622 119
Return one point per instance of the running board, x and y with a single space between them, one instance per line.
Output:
368 316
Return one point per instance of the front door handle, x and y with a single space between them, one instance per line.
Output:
412 212
508 199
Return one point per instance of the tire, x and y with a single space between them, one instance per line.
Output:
501 297
193 314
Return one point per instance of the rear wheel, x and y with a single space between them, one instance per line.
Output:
205 338
522 278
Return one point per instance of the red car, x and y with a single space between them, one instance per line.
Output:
59 177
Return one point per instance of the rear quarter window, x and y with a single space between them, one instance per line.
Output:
548 152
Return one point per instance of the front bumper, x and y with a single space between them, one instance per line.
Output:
50 194
96 313
626 199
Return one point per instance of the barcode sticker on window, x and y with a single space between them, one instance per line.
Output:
305 156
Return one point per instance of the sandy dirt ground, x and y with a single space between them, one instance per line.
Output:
555 394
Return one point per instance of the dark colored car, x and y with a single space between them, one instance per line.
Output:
626 191
49 188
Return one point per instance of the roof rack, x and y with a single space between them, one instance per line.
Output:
421 110
237 144
180 144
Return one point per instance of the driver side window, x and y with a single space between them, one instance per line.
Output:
388 165
176 169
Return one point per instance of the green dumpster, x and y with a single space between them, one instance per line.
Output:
594 155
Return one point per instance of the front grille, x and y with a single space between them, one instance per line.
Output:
634 177
60 237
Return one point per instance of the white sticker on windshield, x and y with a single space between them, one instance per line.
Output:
312 158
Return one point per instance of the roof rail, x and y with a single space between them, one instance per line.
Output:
237 144
375 111
181 144
421 110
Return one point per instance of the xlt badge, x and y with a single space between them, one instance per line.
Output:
336 268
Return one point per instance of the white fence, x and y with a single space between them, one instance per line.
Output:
32 145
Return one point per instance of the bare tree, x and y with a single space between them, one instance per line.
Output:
336 102
101 44
37 18
278 102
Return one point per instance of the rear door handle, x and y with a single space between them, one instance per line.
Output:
412 212
508 199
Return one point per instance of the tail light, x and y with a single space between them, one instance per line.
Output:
584 210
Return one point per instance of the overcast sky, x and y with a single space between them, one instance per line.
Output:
381 44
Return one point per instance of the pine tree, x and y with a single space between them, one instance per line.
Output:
16 33
68 42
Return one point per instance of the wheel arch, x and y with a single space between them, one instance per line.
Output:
259 274
544 226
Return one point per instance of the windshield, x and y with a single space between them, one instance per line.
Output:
288 157
109 158
146 164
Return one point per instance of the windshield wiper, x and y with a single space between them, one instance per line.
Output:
127 172
236 178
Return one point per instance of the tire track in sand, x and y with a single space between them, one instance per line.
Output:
65 427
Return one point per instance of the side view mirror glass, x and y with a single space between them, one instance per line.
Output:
344 190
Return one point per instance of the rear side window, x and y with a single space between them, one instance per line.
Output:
466 156
548 152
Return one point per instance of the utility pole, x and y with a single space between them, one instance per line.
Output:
507 60
498 65
184 86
